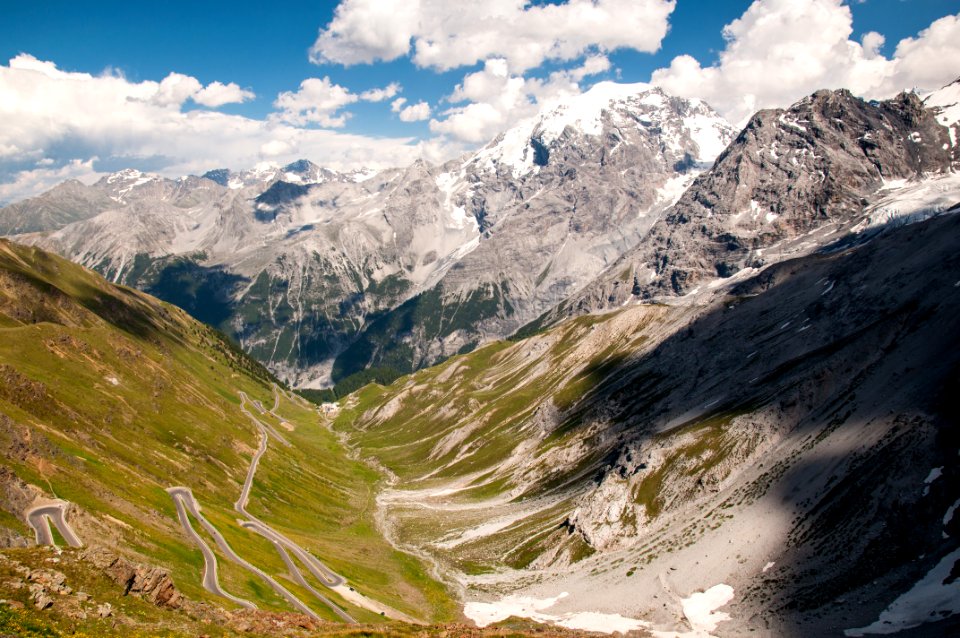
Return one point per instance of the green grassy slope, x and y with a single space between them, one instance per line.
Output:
108 397
500 432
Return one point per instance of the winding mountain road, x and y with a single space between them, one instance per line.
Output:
187 506
183 500
41 516
297 575
184 496
320 571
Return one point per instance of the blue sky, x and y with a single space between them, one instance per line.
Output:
264 48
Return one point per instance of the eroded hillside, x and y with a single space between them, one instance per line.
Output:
119 413
771 436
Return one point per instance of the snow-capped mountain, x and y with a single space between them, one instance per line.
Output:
604 198
793 181
295 260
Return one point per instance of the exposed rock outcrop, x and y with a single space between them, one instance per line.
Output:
152 583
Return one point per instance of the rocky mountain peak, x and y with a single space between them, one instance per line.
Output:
945 102
685 126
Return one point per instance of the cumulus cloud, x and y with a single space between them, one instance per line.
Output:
397 104
781 50
593 65
379 95
415 112
444 35
60 124
175 89
498 99
217 94
317 101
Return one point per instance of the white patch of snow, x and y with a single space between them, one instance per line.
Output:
768 567
949 515
948 100
769 217
905 203
263 168
672 189
235 183
363 175
603 623
700 611
915 137
790 122
929 599
112 380
125 174
484 614
292 177
460 219
708 135
934 474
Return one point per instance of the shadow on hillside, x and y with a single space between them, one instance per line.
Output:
863 335
206 293
814 321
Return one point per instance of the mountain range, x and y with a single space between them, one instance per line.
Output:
729 380
318 273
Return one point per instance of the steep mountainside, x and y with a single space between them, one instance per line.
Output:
792 180
557 199
299 262
126 414
69 202
791 436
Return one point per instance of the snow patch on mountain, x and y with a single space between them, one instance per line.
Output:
484 614
948 100
519 149
903 202
935 596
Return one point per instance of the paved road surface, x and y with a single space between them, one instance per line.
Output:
186 498
298 578
281 542
185 502
182 498
40 518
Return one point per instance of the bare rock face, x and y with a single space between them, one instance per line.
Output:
557 199
319 274
789 173
151 583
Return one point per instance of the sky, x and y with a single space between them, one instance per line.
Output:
180 88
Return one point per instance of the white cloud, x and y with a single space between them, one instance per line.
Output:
217 94
593 65
498 99
276 148
415 112
931 59
780 50
871 43
175 89
446 35
366 31
317 101
397 104
59 124
379 95
33 182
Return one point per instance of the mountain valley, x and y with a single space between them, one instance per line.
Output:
624 368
